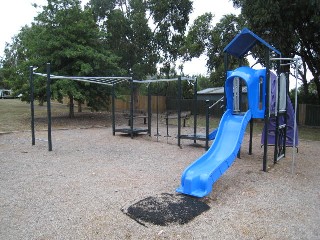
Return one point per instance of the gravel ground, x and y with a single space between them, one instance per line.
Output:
79 190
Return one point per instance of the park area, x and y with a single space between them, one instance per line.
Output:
94 185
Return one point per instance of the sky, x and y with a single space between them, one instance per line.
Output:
15 14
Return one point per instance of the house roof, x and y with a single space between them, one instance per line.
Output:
216 91
244 42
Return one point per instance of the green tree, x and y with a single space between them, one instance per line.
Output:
204 38
293 27
144 33
221 35
197 40
68 37
14 68
170 18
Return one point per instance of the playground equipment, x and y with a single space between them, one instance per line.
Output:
152 81
208 136
197 179
109 81
284 105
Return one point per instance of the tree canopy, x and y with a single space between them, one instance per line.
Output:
143 38
67 36
293 27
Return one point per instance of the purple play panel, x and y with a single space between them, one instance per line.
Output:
272 121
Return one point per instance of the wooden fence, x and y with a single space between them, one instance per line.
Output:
307 114
141 103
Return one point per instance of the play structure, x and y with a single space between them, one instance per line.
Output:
179 116
289 121
267 99
108 81
111 82
195 136
198 178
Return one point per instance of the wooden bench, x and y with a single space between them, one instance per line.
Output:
136 114
184 116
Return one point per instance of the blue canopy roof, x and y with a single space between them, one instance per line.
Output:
244 42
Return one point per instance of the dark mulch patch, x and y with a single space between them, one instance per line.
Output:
166 209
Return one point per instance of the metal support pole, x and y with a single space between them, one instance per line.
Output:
251 133
149 110
226 66
179 109
131 109
158 134
195 112
207 124
295 115
49 107
266 113
32 105
286 117
277 119
113 111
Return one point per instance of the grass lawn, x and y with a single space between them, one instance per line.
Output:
15 116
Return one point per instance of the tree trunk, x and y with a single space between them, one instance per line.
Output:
303 75
317 82
79 106
71 106
136 97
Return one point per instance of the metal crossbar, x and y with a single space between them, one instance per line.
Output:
164 80
99 80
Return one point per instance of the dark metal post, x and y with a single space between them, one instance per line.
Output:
207 124
157 109
32 105
113 111
251 133
286 117
131 108
179 99
226 66
266 113
195 112
49 107
149 110
277 117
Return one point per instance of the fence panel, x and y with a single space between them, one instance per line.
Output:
123 103
312 117
187 105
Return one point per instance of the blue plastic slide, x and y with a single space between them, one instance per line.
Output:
213 134
197 179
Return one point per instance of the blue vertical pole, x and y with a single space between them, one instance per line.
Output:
49 107
32 105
